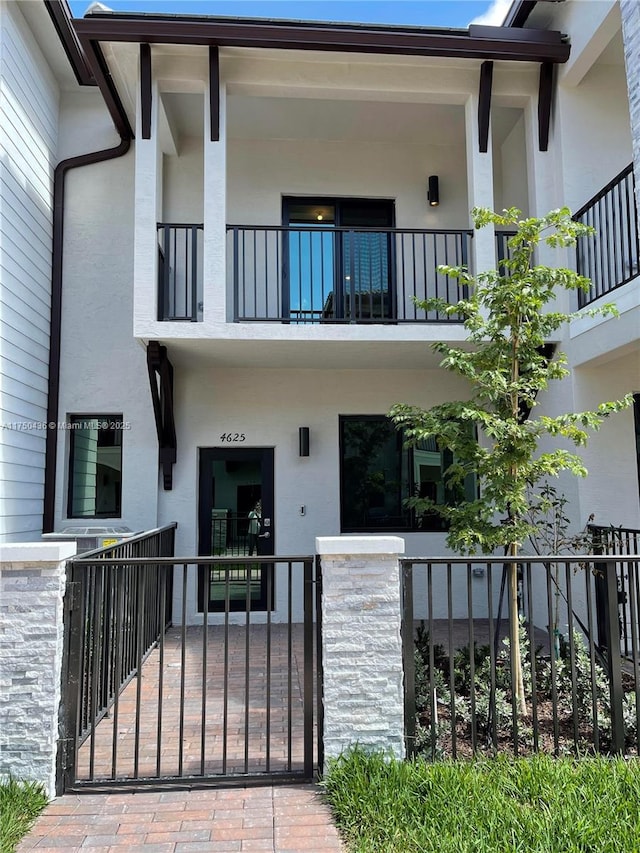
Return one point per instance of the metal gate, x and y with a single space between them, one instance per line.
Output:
155 694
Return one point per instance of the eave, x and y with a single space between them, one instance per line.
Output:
480 43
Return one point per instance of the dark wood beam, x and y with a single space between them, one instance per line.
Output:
161 382
214 92
61 18
145 89
484 105
495 43
545 99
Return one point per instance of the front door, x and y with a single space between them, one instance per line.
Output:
235 519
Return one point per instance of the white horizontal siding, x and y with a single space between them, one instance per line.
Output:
28 142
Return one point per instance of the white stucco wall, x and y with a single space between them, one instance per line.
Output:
103 368
262 171
593 119
28 137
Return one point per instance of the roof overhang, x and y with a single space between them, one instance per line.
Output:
478 42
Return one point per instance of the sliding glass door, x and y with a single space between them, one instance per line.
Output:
338 260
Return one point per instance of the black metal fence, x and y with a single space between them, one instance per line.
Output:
622 541
212 698
180 289
610 258
112 620
578 693
307 275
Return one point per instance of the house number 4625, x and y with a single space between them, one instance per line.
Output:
232 436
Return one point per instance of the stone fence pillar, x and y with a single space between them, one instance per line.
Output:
32 585
361 643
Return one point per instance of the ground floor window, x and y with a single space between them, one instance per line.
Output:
378 473
95 466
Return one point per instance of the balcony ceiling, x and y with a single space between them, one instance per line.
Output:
250 117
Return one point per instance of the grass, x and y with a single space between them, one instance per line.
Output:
500 805
20 805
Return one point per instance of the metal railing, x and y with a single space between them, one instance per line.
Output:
460 665
105 634
621 541
609 258
306 275
503 252
179 272
218 697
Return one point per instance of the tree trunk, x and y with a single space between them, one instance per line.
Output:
514 634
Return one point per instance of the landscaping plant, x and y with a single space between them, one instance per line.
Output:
509 316
20 805
502 805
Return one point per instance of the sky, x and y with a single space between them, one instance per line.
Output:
426 13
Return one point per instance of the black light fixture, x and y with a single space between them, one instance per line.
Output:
433 193
303 435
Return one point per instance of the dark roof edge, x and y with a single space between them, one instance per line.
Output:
477 43
519 12
61 17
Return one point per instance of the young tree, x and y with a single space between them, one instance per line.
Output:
510 318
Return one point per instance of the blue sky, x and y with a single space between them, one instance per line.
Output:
429 13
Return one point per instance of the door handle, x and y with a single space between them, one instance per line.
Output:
266 535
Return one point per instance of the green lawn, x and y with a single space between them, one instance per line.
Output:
20 805
501 805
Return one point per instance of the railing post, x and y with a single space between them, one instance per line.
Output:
308 669
167 272
236 283
194 273
408 659
614 659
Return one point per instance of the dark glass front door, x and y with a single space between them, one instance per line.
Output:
338 260
235 519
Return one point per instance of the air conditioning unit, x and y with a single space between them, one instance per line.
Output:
92 537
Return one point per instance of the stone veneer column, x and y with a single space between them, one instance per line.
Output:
361 643
32 585
630 11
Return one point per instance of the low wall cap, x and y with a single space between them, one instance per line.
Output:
36 552
360 545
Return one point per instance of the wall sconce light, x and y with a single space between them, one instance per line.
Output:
303 436
433 193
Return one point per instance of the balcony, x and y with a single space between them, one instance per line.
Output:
307 275
610 258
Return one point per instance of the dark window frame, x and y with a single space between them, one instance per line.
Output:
414 524
75 418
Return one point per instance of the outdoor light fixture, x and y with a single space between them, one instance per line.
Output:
433 193
303 435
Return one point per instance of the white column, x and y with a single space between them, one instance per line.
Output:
361 643
217 308
546 184
480 184
32 587
147 213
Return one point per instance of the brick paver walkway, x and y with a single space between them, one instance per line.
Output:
285 819
264 725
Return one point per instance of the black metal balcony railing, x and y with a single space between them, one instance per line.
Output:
503 252
610 258
179 272
304 274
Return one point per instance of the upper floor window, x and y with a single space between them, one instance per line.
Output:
378 474
95 467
